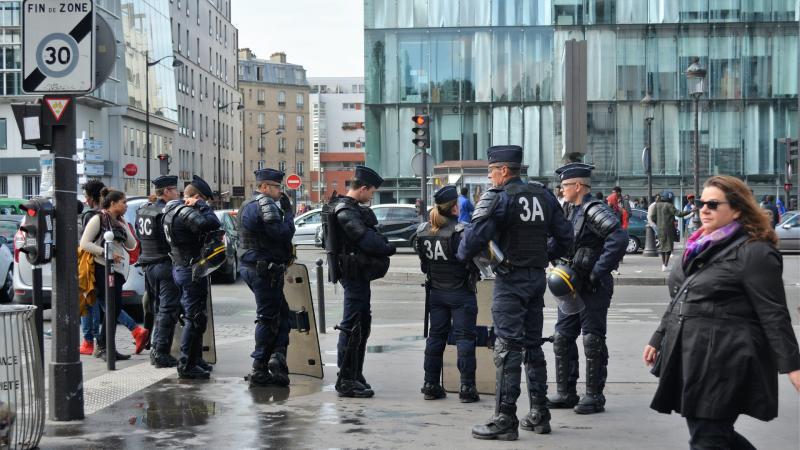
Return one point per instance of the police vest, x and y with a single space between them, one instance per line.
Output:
444 269
588 245
184 246
251 240
150 232
524 241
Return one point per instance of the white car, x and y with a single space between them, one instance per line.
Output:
788 232
305 227
132 290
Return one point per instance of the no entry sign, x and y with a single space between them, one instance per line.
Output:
293 181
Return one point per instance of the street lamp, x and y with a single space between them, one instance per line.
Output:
175 63
649 105
262 147
695 83
219 146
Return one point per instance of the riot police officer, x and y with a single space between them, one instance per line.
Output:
599 245
186 225
164 294
451 288
360 255
266 228
518 217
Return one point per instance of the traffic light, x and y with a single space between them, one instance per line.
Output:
422 136
38 228
163 160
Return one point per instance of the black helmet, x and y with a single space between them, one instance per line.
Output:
212 256
562 281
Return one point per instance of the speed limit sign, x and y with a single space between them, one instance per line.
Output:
58 46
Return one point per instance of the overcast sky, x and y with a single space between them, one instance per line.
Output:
325 36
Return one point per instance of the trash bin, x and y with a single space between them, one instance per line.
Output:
21 379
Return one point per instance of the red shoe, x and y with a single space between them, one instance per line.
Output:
87 347
140 335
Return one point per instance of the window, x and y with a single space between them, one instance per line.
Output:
300 167
261 119
3 143
261 97
300 145
300 100
282 145
3 186
30 185
281 121
402 213
300 123
282 166
281 98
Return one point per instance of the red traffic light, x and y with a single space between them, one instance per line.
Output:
31 212
163 156
420 120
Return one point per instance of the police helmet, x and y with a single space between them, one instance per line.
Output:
212 256
562 280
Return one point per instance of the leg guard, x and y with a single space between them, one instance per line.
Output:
267 328
596 369
347 384
536 372
508 364
195 327
366 329
566 352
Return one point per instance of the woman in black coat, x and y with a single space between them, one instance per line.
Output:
727 331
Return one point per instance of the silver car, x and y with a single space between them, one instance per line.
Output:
789 232
305 227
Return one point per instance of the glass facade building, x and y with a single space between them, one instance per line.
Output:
491 72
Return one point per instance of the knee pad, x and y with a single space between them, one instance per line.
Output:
199 320
562 344
502 350
594 346
534 356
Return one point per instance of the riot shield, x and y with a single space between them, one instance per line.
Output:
303 354
484 347
209 343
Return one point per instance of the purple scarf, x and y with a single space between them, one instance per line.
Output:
698 242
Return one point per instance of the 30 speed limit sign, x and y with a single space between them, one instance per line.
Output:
58 46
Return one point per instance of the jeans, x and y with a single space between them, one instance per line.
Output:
90 323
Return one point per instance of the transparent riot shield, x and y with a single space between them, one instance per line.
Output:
303 355
485 371
209 343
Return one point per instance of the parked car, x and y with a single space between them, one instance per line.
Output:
10 206
8 227
229 272
132 290
789 232
305 227
637 229
398 222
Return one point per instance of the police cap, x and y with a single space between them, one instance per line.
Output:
275 176
203 187
368 176
575 170
165 181
445 194
505 154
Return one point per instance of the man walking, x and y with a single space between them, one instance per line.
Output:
465 207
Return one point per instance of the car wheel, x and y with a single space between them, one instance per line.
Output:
234 275
7 292
633 245
413 243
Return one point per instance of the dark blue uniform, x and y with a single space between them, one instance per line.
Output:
266 233
600 243
185 228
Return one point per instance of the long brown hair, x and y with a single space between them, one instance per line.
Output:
753 220
439 215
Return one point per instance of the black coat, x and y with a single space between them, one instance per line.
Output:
726 335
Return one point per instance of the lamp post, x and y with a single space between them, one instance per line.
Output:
262 147
695 83
219 146
649 114
175 63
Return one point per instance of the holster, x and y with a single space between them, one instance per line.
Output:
271 271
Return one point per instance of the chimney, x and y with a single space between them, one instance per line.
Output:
246 54
279 57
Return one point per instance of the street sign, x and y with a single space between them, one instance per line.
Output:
57 106
416 164
293 181
58 46
130 169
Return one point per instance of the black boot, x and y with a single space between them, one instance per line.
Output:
468 393
162 360
502 427
433 391
538 419
596 369
366 329
260 375
100 352
504 424
566 352
203 364
347 383
189 371
278 368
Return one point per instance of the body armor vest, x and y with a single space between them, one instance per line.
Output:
184 247
151 233
251 240
445 271
588 245
524 242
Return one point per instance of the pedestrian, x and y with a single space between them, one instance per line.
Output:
727 332
600 196
622 201
688 221
663 216
771 210
600 244
781 208
266 228
165 297
362 255
517 217
90 320
465 207
187 224
451 288
111 218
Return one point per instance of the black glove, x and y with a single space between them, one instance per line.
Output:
595 280
393 249
286 204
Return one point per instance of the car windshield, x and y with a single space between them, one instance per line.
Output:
8 228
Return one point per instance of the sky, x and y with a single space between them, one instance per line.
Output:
324 36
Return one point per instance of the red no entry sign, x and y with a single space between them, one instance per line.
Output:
293 181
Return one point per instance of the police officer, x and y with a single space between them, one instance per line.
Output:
518 217
362 256
186 224
599 245
266 228
164 294
451 296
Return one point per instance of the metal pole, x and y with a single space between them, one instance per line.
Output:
423 207
39 314
147 117
320 296
219 158
697 156
650 238
111 318
65 373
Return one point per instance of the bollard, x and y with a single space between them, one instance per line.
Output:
39 313
111 318
320 296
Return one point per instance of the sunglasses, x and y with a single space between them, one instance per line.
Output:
712 204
